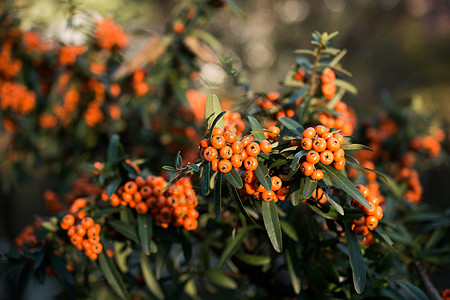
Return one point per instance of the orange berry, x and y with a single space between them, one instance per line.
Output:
140 181
329 90
210 153
204 143
92 232
282 193
276 183
339 137
214 164
217 131
327 135
249 188
237 147
360 221
236 161
244 154
333 144
313 157
328 76
364 190
97 248
339 155
373 200
230 137
246 140
76 239
361 230
230 128
370 211
253 149
217 141
249 176
67 221
275 131
80 230
378 213
141 208
326 157
317 175
371 222
87 222
319 144
306 144
146 191
265 146
339 165
250 163
320 129
225 166
268 195
226 152
130 187
309 133
190 224
307 168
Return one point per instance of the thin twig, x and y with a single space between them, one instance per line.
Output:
426 282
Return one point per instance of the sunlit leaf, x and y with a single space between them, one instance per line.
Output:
272 224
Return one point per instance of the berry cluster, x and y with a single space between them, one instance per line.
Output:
84 233
322 146
414 190
253 187
345 122
273 102
224 151
175 206
234 119
328 83
369 221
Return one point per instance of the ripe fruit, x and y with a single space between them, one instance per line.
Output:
276 183
326 157
236 160
312 157
307 168
319 144
218 141
371 222
317 175
265 146
250 163
333 144
237 147
253 149
306 144
225 166
210 154
309 133
226 152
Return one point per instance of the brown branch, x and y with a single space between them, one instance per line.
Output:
426 282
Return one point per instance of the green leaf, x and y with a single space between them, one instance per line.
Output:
384 237
256 126
234 179
112 187
262 174
220 279
293 268
292 125
234 193
356 260
193 167
150 278
272 224
297 94
289 230
309 187
346 86
174 179
112 275
132 173
232 247
178 160
205 179
329 212
253 260
115 150
169 168
330 198
412 290
295 162
296 190
59 265
344 183
214 124
337 58
218 195
124 229
351 147
212 110
145 231
90 167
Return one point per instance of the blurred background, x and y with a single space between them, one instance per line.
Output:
398 46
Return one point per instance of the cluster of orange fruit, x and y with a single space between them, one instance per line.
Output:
322 146
109 35
273 101
139 86
430 144
83 232
254 188
234 119
414 190
68 54
345 122
224 151
16 97
9 67
27 235
176 206
369 221
328 83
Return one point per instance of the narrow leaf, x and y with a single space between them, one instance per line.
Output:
205 179
193 167
253 260
412 290
262 174
256 126
220 279
309 187
356 260
289 230
272 224
346 86
218 195
112 187
292 125
351 147
212 110
112 275
293 268
234 179
232 247
344 183
124 229
150 278
234 193
145 231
